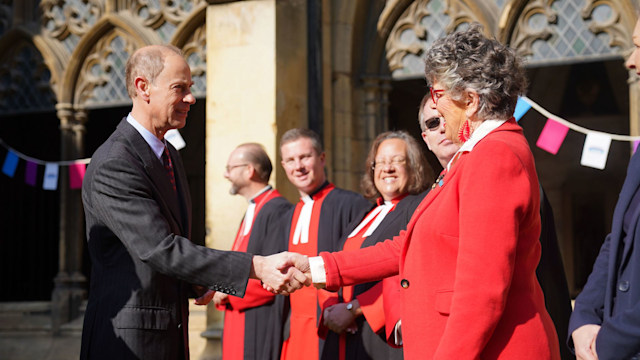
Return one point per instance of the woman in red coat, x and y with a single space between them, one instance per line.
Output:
468 258
396 177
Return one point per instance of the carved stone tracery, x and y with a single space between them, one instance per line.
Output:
155 13
103 69
195 51
412 33
538 21
24 80
61 18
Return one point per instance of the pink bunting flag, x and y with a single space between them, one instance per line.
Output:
552 136
76 175
30 173
635 145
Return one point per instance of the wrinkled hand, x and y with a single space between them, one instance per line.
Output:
282 273
584 340
206 298
339 319
220 299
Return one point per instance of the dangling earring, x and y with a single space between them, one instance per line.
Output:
465 132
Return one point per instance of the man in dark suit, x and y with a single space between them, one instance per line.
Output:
605 323
138 214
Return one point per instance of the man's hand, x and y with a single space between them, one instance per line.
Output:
206 298
584 340
281 273
339 319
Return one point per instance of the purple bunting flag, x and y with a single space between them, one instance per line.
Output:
30 173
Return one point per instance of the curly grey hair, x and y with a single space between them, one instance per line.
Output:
467 60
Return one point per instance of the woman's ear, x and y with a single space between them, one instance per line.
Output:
472 102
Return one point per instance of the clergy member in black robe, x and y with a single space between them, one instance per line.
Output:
248 322
317 223
369 341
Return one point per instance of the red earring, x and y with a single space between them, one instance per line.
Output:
465 132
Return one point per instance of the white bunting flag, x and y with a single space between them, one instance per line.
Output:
596 150
50 181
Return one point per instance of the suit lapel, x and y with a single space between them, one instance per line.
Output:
182 186
155 169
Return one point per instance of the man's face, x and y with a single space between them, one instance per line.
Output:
170 95
633 62
237 172
303 165
436 138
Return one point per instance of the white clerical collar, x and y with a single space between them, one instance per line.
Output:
265 189
483 130
374 218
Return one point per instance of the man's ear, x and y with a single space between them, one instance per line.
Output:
142 88
472 102
424 137
252 171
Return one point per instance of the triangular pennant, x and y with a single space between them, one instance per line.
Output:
552 136
76 174
521 108
596 150
10 164
50 181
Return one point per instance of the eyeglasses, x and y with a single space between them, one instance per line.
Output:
395 162
436 95
432 123
229 168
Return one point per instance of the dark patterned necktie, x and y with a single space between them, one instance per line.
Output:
168 167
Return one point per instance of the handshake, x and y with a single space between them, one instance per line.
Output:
282 273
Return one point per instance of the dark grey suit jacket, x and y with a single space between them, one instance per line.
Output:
143 263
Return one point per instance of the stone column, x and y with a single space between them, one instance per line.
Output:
69 284
256 90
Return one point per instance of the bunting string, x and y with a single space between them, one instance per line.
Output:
43 162
76 168
575 127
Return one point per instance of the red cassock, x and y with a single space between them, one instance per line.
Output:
248 320
467 260
330 211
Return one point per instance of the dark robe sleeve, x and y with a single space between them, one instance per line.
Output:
267 237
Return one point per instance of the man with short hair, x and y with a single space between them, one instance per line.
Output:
317 223
247 332
138 220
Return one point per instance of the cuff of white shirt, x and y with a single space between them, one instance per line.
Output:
397 333
318 272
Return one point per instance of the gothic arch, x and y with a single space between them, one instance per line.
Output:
189 25
122 24
405 16
53 54
514 28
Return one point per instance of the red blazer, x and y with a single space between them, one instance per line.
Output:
468 260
